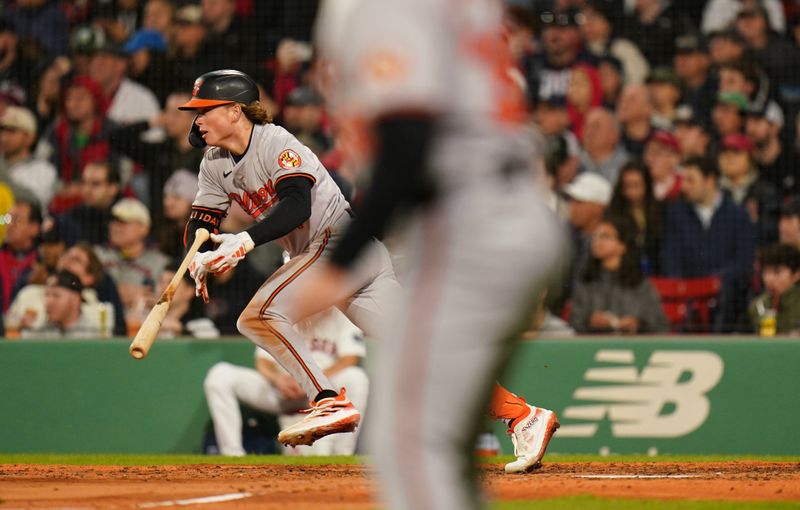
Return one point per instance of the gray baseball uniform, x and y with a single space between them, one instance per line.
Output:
476 255
274 154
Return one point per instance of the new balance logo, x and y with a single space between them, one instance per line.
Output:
666 399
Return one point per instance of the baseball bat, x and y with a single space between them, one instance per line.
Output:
152 323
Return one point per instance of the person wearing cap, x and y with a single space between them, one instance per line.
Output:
665 89
692 133
726 46
159 158
42 23
662 154
789 223
547 72
127 101
185 58
707 234
652 26
739 176
776 164
602 153
745 77
65 314
728 115
779 58
598 33
178 194
634 109
692 65
588 197
18 252
133 265
17 137
718 15
612 295
147 49
302 116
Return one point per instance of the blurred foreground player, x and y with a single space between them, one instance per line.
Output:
430 85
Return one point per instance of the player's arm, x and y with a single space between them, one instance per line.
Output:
202 217
292 210
400 179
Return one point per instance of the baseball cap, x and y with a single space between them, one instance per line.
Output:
664 75
769 110
690 43
189 15
304 96
666 139
17 117
131 209
751 11
11 93
790 207
145 39
65 279
182 183
730 34
589 187
736 142
735 99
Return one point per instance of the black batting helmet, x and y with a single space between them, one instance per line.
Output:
222 87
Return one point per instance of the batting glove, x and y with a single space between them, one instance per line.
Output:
198 269
232 249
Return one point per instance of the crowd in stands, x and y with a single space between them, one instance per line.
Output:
671 150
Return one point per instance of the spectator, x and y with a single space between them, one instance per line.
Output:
789 223
157 16
179 192
148 62
721 14
185 60
746 78
65 316
588 197
50 247
692 133
228 43
778 56
613 296
41 24
611 80
739 177
777 165
548 72
303 115
602 153
662 155
780 303
726 46
118 19
78 137
17 136
708 234
633 198
49 98
337 347
693 66
653 26
99 294
133 266
100 188
127 101
17 67
729 113
556 160
584 93
160 159
634 110
598 29
665 90
18 253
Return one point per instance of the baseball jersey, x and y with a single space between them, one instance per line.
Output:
273 154
330 335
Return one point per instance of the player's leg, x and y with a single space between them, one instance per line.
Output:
530 428
227 385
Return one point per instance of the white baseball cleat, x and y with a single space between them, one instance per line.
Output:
531 437
328 416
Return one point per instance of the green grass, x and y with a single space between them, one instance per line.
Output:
160 460
595 503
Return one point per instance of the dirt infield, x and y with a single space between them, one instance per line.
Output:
349 486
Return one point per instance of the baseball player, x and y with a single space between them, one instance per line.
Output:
336 345
429 81
284 187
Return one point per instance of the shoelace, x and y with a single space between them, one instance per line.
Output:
324 408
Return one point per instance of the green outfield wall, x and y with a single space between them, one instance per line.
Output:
689 395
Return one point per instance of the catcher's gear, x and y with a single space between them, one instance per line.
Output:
232 249
222 87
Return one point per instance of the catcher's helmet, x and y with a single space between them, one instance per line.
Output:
222 87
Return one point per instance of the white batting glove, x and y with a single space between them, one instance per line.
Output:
232 249
198 269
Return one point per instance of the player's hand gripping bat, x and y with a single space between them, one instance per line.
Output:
152 324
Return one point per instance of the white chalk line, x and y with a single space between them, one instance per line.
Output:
198 501
630 477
